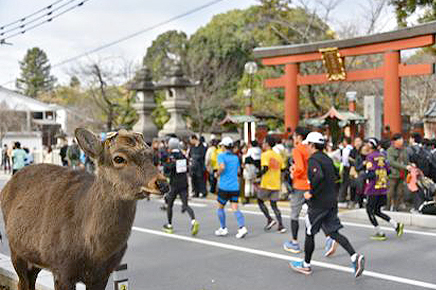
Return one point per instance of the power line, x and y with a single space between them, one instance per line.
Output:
50 16
138 32
30 15
187 13
22 24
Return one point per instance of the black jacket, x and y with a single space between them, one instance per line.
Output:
322 177
178 181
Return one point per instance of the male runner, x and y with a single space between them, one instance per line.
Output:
176 169
270 185
323 206
228 189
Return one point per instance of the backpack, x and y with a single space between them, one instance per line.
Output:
428 187
423 160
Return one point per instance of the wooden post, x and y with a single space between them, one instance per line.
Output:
292 110
392 91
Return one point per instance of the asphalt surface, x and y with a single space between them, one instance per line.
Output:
179 261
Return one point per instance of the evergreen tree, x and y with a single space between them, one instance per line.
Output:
35 74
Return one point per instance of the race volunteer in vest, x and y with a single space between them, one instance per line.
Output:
323 206
176 169
228 189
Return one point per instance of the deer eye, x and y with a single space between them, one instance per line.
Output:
119 160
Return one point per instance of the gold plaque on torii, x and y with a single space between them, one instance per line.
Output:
334 63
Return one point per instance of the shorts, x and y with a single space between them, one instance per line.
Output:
296 201
225 196
267 194
320 217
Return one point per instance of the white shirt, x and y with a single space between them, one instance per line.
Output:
254 152
346 155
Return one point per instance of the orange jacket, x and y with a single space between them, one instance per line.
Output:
300 179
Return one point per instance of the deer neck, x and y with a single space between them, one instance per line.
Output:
108 220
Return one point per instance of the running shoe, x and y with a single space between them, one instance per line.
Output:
359 265
400 229
330 247
222 232
168 229
298 266
269 225
281 229
242 232
379 237
194 227
292 247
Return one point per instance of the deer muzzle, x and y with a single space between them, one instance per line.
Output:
157 185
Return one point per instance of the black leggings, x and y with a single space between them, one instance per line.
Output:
185 207
265 211
309 245
373 208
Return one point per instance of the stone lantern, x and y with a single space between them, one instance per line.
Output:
144 105
176 102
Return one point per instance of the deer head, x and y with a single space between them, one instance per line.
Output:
125 161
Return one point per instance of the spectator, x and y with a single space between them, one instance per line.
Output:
63 153
345 160
249 174
18 158
397 157
73 154
48 156
6 159
197 155
212 163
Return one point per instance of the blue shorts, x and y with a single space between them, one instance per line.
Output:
225 196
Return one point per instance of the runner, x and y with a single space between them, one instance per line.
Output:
323 206
270 185
176 169
228 189
376 188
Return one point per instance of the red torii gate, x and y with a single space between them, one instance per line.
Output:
389 44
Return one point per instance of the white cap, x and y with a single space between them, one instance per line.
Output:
227 141
314 137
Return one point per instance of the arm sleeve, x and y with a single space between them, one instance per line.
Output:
315 174
393 162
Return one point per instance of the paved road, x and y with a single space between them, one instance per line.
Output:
161 261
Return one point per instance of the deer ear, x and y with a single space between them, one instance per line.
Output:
89 142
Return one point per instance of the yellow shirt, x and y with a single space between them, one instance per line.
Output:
272 178
214 158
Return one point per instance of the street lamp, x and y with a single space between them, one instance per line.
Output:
250 68
249 127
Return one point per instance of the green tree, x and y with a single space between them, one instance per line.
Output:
405 8
35 75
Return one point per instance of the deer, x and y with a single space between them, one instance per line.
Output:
74 223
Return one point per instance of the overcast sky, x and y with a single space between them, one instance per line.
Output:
98 22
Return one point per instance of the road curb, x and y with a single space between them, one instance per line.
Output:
408 219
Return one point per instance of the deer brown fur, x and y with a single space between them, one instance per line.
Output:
74 223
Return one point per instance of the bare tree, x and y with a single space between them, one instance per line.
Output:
104 83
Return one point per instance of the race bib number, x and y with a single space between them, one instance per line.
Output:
181 166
